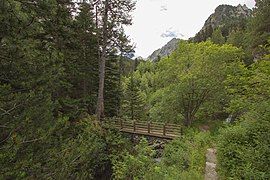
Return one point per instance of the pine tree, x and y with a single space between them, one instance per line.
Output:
32 65
112 93
32 43
217 37
133 103
259 28
113 15
81 65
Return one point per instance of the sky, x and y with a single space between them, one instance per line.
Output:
155 22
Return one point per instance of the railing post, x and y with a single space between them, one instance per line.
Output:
181 131
164 129
134 125
148 127
121 124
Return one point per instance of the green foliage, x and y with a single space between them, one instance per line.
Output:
31 69
258 28
217 37
48 80
237 38
243 150
80 153
184 158
193 76
81 65
223 25
67 150
248 88
135 164
112 92
133 101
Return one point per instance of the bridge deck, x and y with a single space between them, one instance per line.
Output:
154 129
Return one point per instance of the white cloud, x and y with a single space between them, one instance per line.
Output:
163 8
155 19
171 33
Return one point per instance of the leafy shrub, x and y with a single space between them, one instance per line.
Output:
69 150
133 164
184 158
244 150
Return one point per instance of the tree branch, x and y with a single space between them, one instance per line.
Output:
30 141
5 112
5 127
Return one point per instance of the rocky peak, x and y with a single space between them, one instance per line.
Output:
225 12
164 51
224 15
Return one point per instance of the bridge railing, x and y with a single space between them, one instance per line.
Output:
146 127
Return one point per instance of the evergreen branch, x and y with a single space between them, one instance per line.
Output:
9 135
8 111
30 141
5 127
4 57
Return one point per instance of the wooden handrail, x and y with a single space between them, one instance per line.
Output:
149 128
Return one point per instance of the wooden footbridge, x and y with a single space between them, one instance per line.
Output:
146 128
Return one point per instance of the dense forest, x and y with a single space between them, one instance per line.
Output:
65 67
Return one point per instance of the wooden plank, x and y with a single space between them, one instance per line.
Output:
175 125
141 123
170 127
155 129
151 135
141 126
159 127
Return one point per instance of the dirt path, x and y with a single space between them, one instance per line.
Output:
211 163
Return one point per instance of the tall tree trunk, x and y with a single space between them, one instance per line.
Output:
102 60
120 64
189 119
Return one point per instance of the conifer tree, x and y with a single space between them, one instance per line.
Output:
32 41
112 93
258 28
133 103
81 65
113 14
217 37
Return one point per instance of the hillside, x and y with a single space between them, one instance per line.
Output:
166 50
227 18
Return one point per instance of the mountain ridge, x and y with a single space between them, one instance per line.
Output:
227 17
164 51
